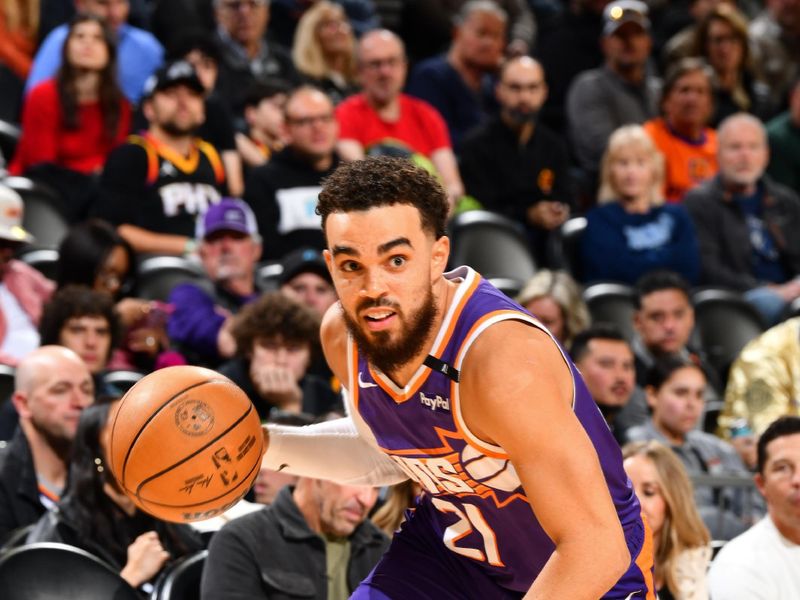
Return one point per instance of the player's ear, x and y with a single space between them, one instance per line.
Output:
439 255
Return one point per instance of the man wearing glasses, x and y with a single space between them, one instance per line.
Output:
247 57
283 193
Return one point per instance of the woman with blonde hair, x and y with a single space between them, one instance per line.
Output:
555 299
324 50
632 231
392 513
681 541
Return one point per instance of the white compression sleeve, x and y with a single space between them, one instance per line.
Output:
334 450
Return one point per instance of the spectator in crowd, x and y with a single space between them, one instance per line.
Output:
460 83
201 50
721 39
555 299
528 158
324 50
70 123
263 113
306 275
276 338
764 381
682 133
268 481
678 27
247 56
604 358
761 564
84 321
139 53
400 498
19 36
632 231
96 515
664 321
321 545
155 186
743 439
675 389
775 41
746 223
23 290
94 255
51 387
203 316
283 193
382 120
286 17
784 141
680 539
435 18
618 93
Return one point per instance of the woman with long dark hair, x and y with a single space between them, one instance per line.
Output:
94 514
71 122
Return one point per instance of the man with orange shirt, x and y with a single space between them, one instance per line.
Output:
682 135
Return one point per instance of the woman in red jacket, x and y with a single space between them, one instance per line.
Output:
71 122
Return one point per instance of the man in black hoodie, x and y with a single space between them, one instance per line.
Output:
283 193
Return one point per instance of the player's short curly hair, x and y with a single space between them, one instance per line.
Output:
384 181
275 316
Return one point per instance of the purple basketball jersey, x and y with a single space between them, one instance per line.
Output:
474 503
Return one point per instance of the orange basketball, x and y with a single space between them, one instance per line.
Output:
186 443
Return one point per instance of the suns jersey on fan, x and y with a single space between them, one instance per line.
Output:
473 498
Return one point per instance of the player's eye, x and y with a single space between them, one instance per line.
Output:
397 261
349 266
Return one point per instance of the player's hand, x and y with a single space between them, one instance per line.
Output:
146 556
276 384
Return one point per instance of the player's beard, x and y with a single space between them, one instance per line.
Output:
389 354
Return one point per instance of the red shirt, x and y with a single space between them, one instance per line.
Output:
420 128
46 139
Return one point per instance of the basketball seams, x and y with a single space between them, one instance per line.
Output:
148 420
193 454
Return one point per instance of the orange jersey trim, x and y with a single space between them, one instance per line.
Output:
645 560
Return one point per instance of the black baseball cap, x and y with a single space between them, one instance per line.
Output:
177 72
304 260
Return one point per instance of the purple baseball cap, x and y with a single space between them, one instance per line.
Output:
229 214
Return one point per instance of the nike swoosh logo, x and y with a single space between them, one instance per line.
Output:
364 384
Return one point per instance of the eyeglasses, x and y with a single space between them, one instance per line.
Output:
307 121
236 5
718 40
392 61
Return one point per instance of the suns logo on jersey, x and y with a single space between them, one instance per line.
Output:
469 472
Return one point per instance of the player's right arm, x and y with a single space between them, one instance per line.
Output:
342 450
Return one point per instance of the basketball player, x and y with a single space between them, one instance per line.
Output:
452 384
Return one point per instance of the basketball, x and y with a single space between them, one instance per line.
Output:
186 443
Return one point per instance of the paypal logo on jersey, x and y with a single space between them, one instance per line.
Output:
434 403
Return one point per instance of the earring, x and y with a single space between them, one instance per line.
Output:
98 462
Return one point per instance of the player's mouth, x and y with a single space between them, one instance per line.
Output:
379 319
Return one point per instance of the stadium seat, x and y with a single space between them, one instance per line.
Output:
491 244
571 233
268 275
9 136
6 383
121 381
46 571
42 217
613 303
181 581
725 322
510 287
44 260
159 274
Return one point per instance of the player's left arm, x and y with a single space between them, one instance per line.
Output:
517 392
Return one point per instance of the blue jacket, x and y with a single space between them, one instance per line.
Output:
139 54
619 246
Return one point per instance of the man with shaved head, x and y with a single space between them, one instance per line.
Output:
746 223
52 387
382 120
530 159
